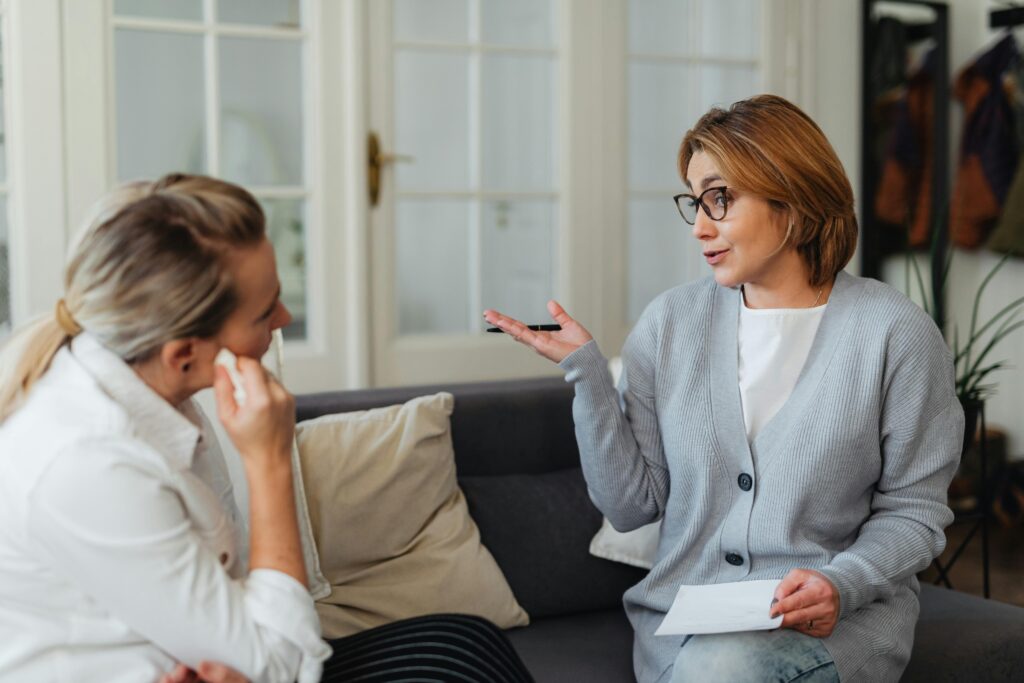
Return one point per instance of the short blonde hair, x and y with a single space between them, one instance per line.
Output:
767 146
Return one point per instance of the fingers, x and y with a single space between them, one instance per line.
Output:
789 584
801 599
181 674
558 313
512 327
223 392
254 376
808 602
214 672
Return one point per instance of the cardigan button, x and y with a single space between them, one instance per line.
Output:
734 559
745 481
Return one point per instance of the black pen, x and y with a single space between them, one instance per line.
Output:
535 328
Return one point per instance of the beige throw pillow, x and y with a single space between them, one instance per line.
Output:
391 525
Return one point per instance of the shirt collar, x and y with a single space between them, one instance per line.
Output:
174 432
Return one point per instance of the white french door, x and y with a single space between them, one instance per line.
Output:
237 89
473 214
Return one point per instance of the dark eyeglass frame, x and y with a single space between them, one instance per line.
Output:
709 211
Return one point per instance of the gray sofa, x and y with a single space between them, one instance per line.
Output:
518 465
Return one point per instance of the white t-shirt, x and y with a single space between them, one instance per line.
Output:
773 347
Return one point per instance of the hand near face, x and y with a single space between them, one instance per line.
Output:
263 426
209 672
554 346
808 601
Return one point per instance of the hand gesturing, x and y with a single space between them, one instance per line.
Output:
554 346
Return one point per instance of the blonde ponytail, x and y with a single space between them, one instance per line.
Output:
25 357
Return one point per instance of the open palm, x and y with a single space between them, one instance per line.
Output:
554 346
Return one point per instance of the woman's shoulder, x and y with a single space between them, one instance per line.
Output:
65 406
884 312
887 304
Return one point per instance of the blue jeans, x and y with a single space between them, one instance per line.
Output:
780 656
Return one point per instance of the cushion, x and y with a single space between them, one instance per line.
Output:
538 527
637 547
391 525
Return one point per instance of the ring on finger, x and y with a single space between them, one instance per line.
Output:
810 625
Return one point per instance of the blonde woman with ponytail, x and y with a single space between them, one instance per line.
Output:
119 556
784 420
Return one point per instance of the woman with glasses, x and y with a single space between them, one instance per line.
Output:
784 419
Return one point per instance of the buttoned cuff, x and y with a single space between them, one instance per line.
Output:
279 603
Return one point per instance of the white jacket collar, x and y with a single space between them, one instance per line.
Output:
172 431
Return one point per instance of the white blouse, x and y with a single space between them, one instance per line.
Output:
773 347
118 555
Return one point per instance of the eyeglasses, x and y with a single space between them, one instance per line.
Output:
720 199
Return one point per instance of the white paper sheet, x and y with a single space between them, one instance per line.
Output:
721 608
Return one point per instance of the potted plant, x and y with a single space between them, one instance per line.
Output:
971 356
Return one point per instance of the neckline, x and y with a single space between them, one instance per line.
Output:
729 425
779 311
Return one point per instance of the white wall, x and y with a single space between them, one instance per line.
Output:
836 108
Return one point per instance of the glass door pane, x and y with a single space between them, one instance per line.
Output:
279 13
261 117
189 10
158 81
475 104
254 132
5 272
685 56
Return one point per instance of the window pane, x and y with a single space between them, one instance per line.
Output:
528 23
3 125
518 247
280 13
5 272
662 252
518 137
261 111
286 229
432 265
160 9
660 26
731 28
720 86
159 83
438 21
432 120
661 110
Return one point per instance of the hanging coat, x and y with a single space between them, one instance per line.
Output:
988 150
1008 237
904 192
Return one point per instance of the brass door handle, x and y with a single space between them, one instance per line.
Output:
375 160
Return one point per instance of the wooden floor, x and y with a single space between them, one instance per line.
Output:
1006 558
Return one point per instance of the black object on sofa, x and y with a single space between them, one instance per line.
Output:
518 465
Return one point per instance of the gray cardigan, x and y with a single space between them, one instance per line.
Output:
849 478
